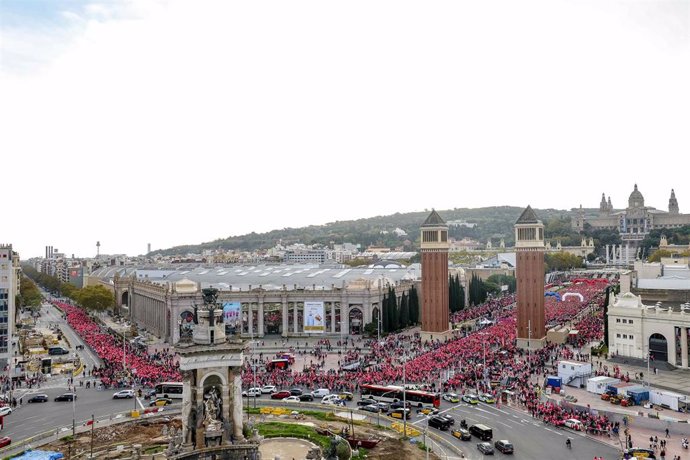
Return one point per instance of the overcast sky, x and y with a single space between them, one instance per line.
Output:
174 122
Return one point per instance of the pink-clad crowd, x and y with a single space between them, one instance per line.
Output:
469 362
149 368
466 362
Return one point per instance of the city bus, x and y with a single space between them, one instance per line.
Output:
171 390
392 393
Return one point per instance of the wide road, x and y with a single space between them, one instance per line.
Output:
530 437
30 419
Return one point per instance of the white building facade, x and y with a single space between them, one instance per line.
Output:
636 329
9 288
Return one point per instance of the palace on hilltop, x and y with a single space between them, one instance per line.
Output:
634 222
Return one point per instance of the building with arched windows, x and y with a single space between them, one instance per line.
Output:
261 299
662 330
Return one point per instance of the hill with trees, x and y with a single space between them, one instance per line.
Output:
489 223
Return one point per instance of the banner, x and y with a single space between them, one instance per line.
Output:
231 313
314 317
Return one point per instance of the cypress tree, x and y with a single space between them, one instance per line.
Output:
384 312
404 311
394 321
414 306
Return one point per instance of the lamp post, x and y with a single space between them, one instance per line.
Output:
404 395
74 425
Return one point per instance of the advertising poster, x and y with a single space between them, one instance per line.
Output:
231 313
314 320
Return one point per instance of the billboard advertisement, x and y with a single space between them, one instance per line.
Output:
231 313
314 319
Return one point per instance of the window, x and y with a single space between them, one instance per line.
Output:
630 337
618 320
625 321
618 336
630 321
625 336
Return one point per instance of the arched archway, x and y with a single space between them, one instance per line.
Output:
658 347
125 299
356 320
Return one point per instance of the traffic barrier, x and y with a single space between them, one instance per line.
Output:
400 428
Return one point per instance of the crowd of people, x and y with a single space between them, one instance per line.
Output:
141 367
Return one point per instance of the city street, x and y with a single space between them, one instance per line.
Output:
31 419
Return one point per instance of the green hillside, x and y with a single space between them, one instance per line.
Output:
492 222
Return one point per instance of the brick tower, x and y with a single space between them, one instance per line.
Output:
435 318
529 245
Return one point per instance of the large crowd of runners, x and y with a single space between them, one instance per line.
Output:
468 362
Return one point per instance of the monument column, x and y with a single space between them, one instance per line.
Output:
684 347
332 317
261 316
250 320
607 254
294 318
285 317
237 408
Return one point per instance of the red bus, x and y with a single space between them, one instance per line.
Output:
278 364
392 393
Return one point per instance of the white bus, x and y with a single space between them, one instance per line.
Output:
171 390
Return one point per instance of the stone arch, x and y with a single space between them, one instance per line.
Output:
124 298
658 347
213 378
355 319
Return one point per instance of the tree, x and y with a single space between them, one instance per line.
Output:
404 311
413 306
393 310
384 312
658 254
29 294
95 298
503 280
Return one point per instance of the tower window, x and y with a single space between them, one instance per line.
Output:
444 236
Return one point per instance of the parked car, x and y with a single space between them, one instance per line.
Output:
296 391
470 399
306 397
451 397
5 410
38 398
66 397
504 446
5 441
574 424
485 448
400 413
462 434
330 399
123 394
268 389
161 402
280 394
292 399
383 406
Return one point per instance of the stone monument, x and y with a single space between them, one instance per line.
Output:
212 393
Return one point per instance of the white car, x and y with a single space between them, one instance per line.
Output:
122 394
330 399
5 410
292 399
268 389
574 424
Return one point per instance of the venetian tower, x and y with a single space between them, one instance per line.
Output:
434 247
529 246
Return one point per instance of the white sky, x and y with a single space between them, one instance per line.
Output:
179 122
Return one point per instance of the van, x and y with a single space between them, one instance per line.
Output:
321 392
483 432
57 351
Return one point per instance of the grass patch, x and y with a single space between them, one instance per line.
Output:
68 438
280 430
154 450
361 455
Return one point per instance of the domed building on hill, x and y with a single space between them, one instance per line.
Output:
634 222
